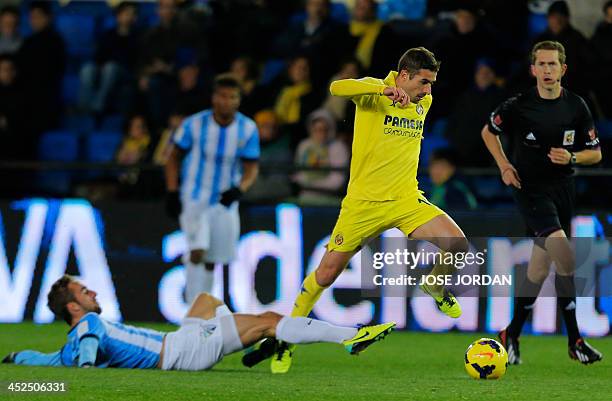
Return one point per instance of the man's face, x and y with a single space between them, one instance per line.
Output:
364 10
127 17
84 298
38 20
299 70
557 23
608 15
419 85
547 69
484 76
225 101
317 9
8 24
465 21
440 171
7 73
166 10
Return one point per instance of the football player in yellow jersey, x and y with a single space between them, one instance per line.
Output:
383 190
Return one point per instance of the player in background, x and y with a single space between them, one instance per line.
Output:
217 153
208 333
383 190
553 131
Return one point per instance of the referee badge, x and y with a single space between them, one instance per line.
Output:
419 109
568 137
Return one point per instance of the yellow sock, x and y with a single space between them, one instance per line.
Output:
308 296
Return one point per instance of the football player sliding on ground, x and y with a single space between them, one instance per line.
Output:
208 333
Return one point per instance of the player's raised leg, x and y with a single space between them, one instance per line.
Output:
444 233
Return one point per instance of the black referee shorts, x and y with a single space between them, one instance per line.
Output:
546 208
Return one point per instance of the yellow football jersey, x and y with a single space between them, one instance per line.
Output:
386 142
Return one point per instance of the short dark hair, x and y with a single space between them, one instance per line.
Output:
418 58
447 154
607 5
548 45
10 10
43 6
59 296
559 7
225 81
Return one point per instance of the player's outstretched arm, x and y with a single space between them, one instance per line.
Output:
355 87
34 358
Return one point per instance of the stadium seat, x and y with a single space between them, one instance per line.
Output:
271 69
113 122
537 24
428 145
82 124
604 128
57 146
100 146
78 31
70 89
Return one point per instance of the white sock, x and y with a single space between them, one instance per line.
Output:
194 276
303 330
208 278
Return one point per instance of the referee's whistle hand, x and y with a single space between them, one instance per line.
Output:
559 156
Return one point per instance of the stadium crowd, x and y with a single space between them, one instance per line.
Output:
118 78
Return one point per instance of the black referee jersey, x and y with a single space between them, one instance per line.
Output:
535 125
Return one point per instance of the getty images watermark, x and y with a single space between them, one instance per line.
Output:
491 267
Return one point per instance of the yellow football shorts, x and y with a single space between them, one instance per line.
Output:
362 220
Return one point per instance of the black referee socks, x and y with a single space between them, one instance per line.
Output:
523 304
566 301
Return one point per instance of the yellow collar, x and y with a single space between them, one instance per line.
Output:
390 80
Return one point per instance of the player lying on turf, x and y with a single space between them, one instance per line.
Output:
209 332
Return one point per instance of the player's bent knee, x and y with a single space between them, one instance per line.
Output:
458 245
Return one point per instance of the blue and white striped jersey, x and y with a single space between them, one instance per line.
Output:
212 163
120 345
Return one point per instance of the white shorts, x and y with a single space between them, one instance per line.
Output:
215 229
200 344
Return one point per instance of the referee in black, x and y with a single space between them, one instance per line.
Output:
552 130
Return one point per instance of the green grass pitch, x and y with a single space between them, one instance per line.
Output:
405 366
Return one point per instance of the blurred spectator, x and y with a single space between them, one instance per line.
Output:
320 38
41 61
12 107
448 190
365 27
191 97
247 73
321 149
115 62
470 111
578 56
459 49
296 99
10 40
159 50
273 184
342 109
135 145
601 43
163 148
